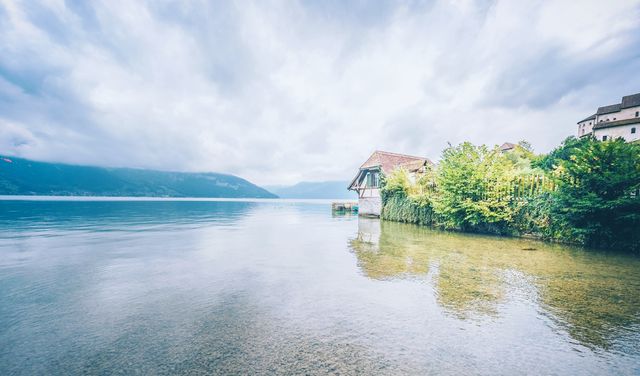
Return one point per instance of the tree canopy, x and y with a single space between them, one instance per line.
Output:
584 191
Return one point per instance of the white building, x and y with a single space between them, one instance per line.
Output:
367 180
613 121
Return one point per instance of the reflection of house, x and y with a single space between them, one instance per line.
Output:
369 232
613 121
367 181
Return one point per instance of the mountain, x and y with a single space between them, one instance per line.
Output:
323 189
25 177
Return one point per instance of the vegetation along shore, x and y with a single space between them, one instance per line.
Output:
583 192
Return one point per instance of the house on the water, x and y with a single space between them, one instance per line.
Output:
367 180
613 121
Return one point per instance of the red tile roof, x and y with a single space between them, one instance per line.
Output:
507 146
387 161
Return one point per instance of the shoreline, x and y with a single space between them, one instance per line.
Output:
160 199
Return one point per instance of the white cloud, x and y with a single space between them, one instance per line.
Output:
283 92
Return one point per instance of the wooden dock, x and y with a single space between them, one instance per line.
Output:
344 207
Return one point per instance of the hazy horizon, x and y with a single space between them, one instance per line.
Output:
281 93
195 172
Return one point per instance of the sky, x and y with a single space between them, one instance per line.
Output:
287 91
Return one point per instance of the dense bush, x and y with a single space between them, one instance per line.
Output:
596 201
469 180
402 208
584 191
406 201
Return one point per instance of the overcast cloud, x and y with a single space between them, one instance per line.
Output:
279 92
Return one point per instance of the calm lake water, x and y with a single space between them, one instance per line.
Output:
279 287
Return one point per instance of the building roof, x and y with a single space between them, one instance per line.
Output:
611 124
592 117
415 165
388 162
608 109
507 146
632 100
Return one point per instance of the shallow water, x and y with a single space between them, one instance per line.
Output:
264 287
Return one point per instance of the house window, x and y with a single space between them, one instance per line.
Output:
604 138
637 113
373 180
633 130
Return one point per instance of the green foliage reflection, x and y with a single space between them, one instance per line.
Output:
592 295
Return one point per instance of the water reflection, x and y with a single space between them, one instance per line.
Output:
272 288
594 296
117 215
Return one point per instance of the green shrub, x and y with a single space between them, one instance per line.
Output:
470 180
596 202
401 208
397 183
585 192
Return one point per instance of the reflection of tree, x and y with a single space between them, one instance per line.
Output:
596 302
390 250
388 256
465 288
594 296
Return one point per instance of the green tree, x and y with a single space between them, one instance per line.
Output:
470 181
597 201
548 162
397 183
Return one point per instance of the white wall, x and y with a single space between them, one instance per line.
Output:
627 113
608 117
370 206
369 192
585 127
369 230
621 131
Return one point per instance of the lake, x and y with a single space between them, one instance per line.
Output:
285 287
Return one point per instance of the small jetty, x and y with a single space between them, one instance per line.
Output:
344 207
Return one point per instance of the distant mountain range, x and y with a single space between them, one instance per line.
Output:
25 177
323 189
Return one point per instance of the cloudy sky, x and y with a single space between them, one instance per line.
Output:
279 92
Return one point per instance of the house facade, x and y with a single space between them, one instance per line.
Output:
367 181
613 121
